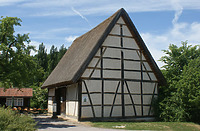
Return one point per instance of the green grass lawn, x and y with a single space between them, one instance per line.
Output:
172 126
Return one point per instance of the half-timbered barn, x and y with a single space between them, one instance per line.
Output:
107 73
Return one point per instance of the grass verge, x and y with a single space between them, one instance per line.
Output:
172 126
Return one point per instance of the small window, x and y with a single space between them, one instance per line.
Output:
18 102
8 101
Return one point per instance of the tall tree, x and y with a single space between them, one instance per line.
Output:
62 51
42 57
179 99
53 59
17 67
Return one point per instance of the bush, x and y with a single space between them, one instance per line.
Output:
12 121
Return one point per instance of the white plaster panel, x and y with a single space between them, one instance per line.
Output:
132 65
136 99
50 109
134 87
111 74
147 66
147 99
112 41
138 110
52 92
111 52
130 43
117 111
92 85
93 62
86 112
87 102
113 64
115 30
120 21
126 31
153 77
96 98
108 98
107 110
111 86
127 99
72 108
129 111
98 53
118 99
132 75
95 74
97 110
145 76
148 87
156 90
50 100
72 92
131 54
146 110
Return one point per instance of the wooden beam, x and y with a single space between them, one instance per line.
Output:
121 36
97 63
112 105
114 99
121 48
152 97
79 99
97 68
118 79
102 84
141 83
131 98
114 58
117 93
89 99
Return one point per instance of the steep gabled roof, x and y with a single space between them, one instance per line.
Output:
82 50
23 92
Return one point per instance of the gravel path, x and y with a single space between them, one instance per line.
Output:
46 123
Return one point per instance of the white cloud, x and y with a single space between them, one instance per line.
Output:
70 39
83 17
9 2
89 7
179 32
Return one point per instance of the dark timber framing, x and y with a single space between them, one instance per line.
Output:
85 49
89 99
141 83
79 99
122 71
102 84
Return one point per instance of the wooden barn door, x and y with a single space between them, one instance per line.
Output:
61 100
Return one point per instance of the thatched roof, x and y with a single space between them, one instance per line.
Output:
74 62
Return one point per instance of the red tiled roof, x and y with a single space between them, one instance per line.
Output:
23 92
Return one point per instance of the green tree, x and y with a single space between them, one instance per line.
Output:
53 59
178 100
17 67
40 97
61 52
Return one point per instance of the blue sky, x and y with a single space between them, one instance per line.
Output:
57 22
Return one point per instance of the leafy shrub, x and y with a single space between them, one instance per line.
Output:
12 121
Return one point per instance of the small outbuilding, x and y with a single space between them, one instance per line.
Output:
107 73
15 97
